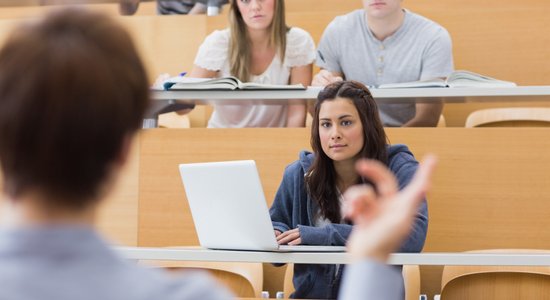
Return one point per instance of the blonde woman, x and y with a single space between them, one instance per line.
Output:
258 47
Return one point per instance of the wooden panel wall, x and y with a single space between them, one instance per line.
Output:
162 197
13 12
117 217
167 43
6 26
118 214
484 180
23 3
500 38
34 10
490 190
322 5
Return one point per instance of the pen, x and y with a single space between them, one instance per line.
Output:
183 73
321 56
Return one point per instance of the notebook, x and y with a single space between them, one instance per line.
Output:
223 83
229 209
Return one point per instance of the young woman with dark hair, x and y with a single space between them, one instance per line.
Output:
306 210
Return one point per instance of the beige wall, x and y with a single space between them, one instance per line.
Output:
484 179
490 189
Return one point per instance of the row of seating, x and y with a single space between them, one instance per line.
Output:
457 282
496 282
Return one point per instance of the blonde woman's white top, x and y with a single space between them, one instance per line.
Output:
213 55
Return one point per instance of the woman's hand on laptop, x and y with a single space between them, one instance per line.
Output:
289 237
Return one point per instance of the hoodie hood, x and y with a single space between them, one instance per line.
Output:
394 150
306 159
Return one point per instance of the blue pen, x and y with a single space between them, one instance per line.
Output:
183 73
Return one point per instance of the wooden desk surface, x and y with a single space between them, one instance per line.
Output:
425 258
447 95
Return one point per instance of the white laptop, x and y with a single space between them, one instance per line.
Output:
229 209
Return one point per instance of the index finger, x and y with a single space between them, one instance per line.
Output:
420 183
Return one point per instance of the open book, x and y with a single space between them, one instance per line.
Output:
223 83
457 79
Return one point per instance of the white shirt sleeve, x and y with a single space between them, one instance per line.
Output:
213 52
300 48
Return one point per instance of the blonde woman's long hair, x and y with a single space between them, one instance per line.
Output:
239 44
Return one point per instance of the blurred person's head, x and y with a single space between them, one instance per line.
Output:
245 16
73 91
